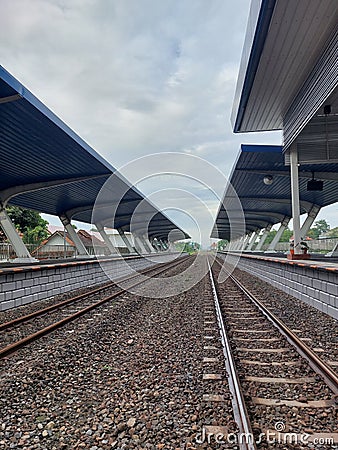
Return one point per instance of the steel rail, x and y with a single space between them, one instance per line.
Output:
5 351
245 435
40 312
316 363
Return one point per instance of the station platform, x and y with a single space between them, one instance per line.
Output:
25 283
314 281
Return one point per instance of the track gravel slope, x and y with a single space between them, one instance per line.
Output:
129 376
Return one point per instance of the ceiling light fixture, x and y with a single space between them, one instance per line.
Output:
268 180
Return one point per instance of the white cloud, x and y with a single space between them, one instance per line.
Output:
134 77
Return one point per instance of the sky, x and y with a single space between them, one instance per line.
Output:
148 84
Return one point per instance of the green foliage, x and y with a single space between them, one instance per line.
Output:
187 247
221 244
29 223
286 236
333 232
320 227
270 237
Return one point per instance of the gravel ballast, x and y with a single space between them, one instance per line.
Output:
128 375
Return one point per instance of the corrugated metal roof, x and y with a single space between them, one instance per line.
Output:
268 204
47 167
285 39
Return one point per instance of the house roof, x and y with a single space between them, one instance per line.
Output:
86 237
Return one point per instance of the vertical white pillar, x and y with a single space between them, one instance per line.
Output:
106 239
252 241
295 197
81 249
12 235
246 240
126 241
157 245
139 244
147 241
312 214
275 240
164 246
147 244
239 243
263 238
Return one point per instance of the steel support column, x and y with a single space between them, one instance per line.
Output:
81 249
280 231
253 240
246 240
163 245
126 241
139 244
106 239
263 238
312 214
12 235
295 198
151 248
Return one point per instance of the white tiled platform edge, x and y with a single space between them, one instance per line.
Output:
316 287
22 287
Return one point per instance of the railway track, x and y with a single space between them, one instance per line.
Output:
283 394
28 328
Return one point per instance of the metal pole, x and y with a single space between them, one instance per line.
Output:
312 214
253 240
275 240
263 238
295 198
64 242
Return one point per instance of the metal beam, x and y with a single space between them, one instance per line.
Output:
10 98
295 198
81 249
106 238
253 240
280 231
312 214
126 240
12 235
7 194
263 238
333 176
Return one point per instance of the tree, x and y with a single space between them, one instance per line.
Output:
320 227
333 232
221 244
270 236
188 247
286 235
29 223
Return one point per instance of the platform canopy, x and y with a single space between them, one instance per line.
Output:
268 204
47 167
288 76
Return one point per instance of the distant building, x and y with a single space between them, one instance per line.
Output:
59 244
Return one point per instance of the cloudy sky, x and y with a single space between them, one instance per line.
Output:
136 78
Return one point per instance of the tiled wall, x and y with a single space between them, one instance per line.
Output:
21 287
317 287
